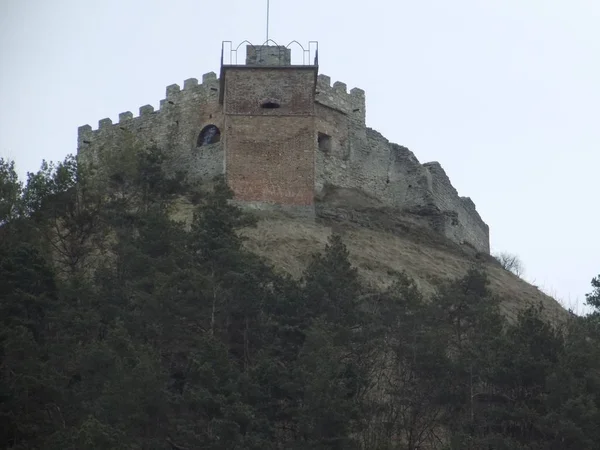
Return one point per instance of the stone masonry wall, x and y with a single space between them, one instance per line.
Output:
359 158
175 127
337 98
362 158
468 225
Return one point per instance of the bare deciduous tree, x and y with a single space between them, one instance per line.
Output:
510 262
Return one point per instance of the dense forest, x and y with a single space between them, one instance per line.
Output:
121 328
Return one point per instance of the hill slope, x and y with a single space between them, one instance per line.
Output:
378 250
382 242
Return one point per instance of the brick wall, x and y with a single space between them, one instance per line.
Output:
270 152
247 88
271 159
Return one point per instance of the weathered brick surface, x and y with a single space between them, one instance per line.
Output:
271 159
246 89
270 151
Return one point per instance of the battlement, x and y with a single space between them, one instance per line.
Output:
337 97
207 91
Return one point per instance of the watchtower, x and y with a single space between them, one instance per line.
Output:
270 135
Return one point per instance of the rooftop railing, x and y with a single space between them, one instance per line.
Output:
278 55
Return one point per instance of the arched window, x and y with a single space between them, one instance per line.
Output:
210 134
270 104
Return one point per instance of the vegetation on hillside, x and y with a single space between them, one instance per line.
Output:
124 329
510 262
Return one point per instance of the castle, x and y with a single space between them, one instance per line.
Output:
284 137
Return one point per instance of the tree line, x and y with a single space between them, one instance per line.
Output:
122 328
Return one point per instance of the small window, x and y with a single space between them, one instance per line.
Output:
270 104
324 142
210 134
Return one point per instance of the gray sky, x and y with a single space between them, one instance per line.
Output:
505 94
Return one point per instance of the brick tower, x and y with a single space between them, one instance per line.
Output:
270 135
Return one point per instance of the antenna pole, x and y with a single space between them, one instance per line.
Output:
268 10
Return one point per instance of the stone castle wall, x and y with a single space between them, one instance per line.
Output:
174 127
389 174
465 225
349 156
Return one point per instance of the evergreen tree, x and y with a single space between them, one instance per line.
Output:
10 192
122 328
593 298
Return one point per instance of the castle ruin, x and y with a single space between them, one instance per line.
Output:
285 137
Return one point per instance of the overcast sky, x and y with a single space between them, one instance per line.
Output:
505 94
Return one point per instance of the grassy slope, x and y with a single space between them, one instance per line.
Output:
288 243
381 247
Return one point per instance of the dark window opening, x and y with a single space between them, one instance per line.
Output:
324 142
270 104
210 134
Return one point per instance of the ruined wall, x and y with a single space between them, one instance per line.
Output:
468 225
361 159
175 127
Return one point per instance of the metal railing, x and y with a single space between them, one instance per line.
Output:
308 55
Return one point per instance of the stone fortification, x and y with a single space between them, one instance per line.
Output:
174 127
287 137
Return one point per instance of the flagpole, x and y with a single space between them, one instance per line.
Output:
268 22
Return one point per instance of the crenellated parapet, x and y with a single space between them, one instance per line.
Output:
193 91
337 97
